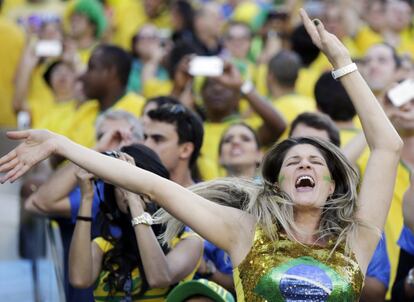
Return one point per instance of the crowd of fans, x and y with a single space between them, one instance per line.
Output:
116 76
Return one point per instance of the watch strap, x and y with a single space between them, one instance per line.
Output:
340 72
144 218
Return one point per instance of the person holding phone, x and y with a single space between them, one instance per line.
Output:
305 232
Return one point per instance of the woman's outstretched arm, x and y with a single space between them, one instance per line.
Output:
378 182
228 228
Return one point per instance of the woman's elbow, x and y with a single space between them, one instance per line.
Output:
80 281
394 145
159 281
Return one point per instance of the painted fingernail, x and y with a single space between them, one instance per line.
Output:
316 22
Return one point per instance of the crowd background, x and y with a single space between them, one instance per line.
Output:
108 74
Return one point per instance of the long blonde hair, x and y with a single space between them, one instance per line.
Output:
273 208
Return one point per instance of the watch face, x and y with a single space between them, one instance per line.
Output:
147 218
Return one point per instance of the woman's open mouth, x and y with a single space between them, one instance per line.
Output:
304 183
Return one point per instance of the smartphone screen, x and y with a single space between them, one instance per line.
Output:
402 93
48 48
206 66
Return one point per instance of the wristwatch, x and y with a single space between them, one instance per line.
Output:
247 87
145 218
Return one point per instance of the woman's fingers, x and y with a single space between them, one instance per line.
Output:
321 31
310 28
18 134
9 165
20 172
11 175
7 158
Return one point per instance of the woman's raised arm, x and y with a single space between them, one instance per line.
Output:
378 182
228 228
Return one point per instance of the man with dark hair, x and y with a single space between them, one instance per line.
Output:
104 81
332 99
176 134
315 124
221 98
283 71
381 63
284 68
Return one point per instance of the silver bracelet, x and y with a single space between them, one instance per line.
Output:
337 73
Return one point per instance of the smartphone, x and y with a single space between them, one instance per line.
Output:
402 93
23 120
48 48
206 66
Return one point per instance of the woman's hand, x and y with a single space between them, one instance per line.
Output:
114 139
135 202
181 76
85 183
231 77
37 146
30 59
328 43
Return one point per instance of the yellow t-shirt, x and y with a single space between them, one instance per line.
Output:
129 16
365 38
155 87
260 79
12 43
40 97
59 118
406 43
290 106
82 128
394 222
84 55
307 78
152 295
212 135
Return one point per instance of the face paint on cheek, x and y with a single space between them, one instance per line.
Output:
327 178
281 179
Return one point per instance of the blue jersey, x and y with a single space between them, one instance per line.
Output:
379 267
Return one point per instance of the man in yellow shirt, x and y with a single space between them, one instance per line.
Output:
87 25
221 98
104 83
176 134
381 63
12 43
370 33
130 15
283 70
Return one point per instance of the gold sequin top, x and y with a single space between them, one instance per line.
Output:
287 271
